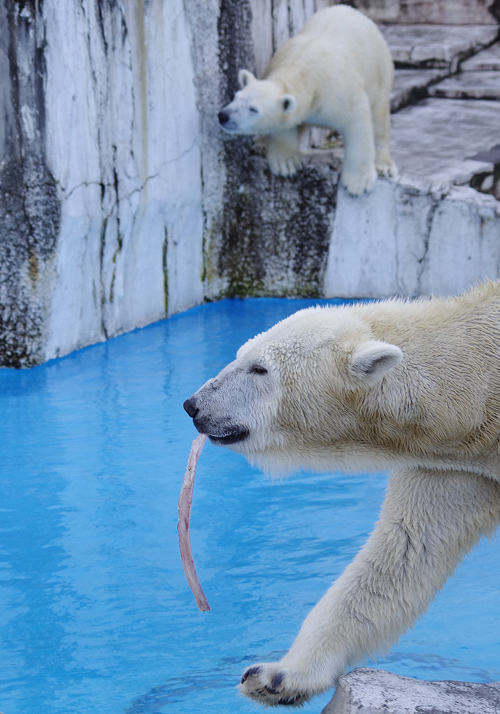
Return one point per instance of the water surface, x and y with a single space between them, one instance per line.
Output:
95 614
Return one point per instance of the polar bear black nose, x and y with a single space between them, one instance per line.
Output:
190 407
223 117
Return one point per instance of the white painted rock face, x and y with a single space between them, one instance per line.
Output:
122 202
123 143
371 691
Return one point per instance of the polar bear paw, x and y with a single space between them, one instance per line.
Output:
285 165
271 684
387 169
357 182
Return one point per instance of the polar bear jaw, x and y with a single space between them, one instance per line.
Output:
260 107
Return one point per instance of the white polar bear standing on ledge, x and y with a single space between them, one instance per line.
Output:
336 73
413 387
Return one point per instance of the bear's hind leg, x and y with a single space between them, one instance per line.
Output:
429 520
283 152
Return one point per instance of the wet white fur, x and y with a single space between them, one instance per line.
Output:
337 73
409 386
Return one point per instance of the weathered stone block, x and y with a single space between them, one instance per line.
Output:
411 85
371 691
436 45
469 85
488 59
440 12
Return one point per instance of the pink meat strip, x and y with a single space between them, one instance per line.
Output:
184 506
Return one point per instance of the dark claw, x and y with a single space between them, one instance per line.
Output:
249 673
291 701
278 678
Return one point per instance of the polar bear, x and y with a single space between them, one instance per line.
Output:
413 387
336 73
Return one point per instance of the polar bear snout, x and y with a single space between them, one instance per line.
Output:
228 120
223 117
190 407
221 431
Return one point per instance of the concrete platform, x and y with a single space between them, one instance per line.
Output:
436 45
440 12
484 61
410 85
371 691
431 140
469 85
429 231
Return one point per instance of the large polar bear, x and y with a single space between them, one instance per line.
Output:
337 73
409 386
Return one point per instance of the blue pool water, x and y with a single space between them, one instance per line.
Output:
95 614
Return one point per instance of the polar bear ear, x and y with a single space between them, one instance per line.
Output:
245 77
288 102
373 359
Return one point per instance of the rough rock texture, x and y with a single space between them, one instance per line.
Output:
102 218
439 12
122 201
483 61
30 211
271 235
469 85
275 232
371 691
443 156
411 85
429 232
127 167
119 193
436 45
405 240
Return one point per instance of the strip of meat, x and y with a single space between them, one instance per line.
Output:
184 507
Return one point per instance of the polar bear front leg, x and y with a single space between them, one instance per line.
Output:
382 130
429 520
283 152
358 168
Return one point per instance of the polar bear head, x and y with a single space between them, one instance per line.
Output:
258 108
291 397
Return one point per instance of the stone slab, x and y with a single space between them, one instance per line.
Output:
405 240
484 61
444 12
469 85
431 141
370 691
410 85
436 45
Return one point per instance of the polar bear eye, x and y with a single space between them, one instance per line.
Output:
258 369
254 110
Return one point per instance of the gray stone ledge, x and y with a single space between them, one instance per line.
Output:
436 45
484 61
411 85
469 85
371 691
430 141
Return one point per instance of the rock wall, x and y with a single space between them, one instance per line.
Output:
101 200
122 201
120 196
